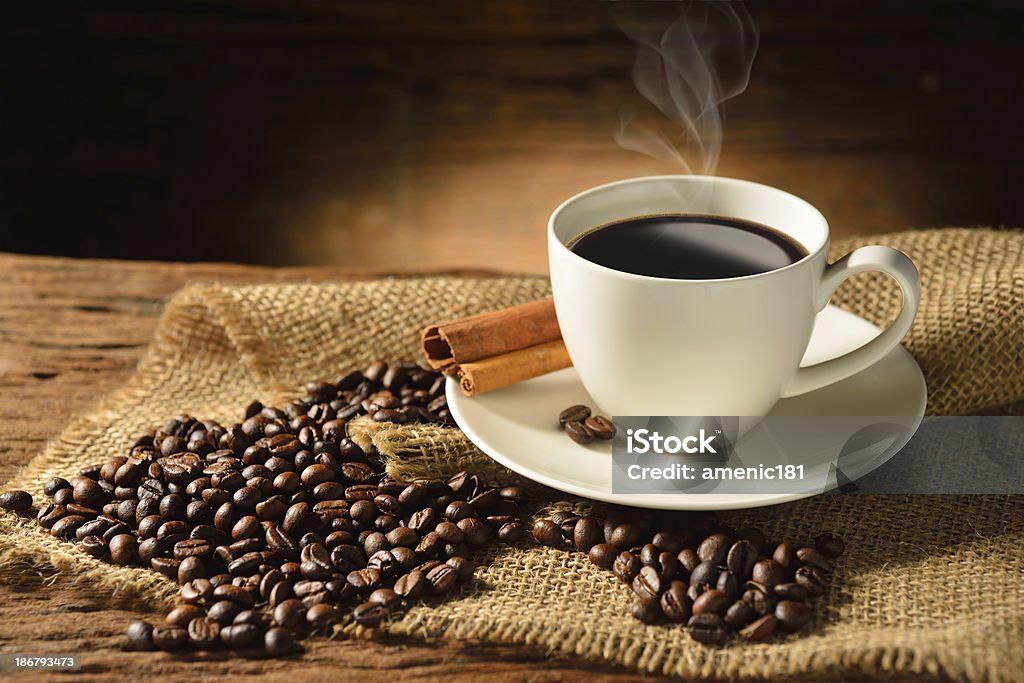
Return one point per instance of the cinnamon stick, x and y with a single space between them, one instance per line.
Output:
493 350
489 374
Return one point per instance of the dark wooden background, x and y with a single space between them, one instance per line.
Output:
418 135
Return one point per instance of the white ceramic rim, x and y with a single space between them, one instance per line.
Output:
799 203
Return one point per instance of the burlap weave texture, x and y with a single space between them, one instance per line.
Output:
915 566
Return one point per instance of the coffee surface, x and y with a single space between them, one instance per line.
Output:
687 247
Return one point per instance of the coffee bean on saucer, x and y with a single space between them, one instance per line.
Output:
577 413
578 433
600 427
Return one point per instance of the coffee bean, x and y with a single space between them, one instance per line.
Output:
626 535
246 527
234 594
587 533
705 573
790 591
739 615
741 559
708 628
510 532
599 427
768 572
576 413
183 614
442 579
761 629
547 532
830 546
811 557
203 632
647 611
290 613
578 433
603 555
411 585
477 533
66 526
169 638
370 614
281 543
55 484
785 556
245 565
626 566
278 642
727 584
15 501
385 597
94 546
711 601
812 580
647 584
364 580
240 636
192 547
714 549
124 549
140 636
198 591
87 492
168 566
189 569
792 615
321 616
64 496
675 604
688 559
759 597
315 562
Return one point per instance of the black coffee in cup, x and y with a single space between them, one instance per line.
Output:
688 247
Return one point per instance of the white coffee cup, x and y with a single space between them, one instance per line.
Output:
730 347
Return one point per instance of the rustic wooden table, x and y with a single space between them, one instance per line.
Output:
70 331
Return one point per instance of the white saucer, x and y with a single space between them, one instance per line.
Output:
517 425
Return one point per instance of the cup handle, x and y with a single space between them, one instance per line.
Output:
873 258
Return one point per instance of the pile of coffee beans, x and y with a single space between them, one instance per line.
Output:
279 522
688 569
582 427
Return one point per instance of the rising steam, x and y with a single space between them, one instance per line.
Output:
686 66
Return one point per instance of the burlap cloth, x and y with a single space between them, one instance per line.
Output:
929 584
